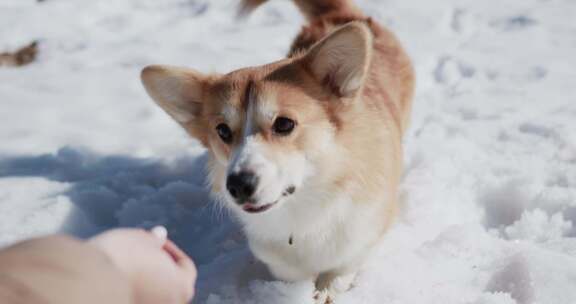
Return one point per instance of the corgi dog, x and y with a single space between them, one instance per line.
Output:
305 151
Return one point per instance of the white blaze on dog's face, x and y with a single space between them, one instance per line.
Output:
276 174
268 160
269 129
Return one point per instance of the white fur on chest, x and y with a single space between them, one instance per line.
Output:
304 238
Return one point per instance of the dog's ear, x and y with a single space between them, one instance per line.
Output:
340 61
178 91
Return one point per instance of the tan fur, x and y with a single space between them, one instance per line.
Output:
348 84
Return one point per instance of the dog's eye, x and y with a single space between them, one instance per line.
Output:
283 125
224 132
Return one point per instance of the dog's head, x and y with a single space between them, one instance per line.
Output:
269 129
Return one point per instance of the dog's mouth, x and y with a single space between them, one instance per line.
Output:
251 207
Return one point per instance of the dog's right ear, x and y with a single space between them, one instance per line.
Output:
179 91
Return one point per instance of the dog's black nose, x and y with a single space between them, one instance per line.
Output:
242 186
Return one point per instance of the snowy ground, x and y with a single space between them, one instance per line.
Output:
489 214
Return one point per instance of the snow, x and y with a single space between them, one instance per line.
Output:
489 193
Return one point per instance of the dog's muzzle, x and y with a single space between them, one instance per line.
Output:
242 187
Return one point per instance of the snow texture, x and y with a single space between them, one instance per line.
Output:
489 192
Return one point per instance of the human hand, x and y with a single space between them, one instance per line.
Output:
158 271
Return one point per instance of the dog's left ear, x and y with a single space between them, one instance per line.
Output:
340 61
179 91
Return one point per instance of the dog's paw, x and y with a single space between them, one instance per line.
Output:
342 283
322 297
335 284
328 286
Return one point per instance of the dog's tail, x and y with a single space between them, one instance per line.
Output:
312 9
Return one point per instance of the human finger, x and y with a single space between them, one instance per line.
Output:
185 265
